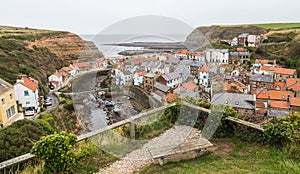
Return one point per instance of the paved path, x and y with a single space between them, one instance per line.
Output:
141 158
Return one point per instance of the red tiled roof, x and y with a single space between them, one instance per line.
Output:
295 101
262 94
190 86
69 68
182 52
142 74
240 49
284 71
279 104
82 65
30 83
292 81
171 97
263 62
295 87
228 86
204 69
280 84
64 73
265 68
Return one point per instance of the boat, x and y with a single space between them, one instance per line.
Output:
109 103
117 109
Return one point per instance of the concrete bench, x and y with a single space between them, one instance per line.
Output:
196 146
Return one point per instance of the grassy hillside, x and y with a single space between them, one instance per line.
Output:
233 156
279 25
37 53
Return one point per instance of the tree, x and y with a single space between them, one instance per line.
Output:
56 151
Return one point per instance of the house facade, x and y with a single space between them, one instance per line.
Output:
8 105
149 81
217 56
27 93
170 80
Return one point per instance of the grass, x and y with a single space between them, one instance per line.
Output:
279 25
233 156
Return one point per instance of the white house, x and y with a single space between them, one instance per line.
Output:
253 40
139 78
71 70
181 54
204 76
123 77
234 42
170 80
217 56
55 79
27 93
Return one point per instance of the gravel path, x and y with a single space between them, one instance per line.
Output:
141 158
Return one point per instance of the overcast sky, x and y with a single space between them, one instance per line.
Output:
92 16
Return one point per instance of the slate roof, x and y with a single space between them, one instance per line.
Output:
4 86
235 100
161 87
197 64
260 78
171 76
173 61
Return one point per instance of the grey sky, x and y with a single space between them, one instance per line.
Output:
92 16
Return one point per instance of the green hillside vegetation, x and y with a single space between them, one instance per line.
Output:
279 25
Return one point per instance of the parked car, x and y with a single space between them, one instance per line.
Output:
48 102
29 111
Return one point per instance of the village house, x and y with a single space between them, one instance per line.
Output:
244 104
181 54
170 80
8 107
282 74
243 40
55 79
204 76
139 78
295 104
71 70
257 81
195 68
241 56
171 97
196 56
235 86
123 77
293 84
83 66
217 56
27 92
188 89
254 40
183 71
162 91
172 61
149 81
234 42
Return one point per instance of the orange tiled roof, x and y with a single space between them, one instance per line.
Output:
240 49
82 65
171 97
190 86
295 87
64 74
295 101
265 68
29 83
204 69
262 94
69 68
284 71
292 81
279 104
142 74
280 84
258 61
234 84
182 52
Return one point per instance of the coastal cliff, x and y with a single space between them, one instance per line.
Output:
39 53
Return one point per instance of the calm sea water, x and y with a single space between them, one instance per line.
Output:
112 51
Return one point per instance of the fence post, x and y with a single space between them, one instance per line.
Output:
132 130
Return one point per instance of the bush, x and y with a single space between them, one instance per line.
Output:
55 151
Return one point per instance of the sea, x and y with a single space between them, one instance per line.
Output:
112 51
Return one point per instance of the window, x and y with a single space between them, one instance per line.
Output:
10 96
226 102
3 101
27 102
10 112
26 93
237 102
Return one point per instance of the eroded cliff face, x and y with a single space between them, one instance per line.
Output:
204 35
68 47
39 53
